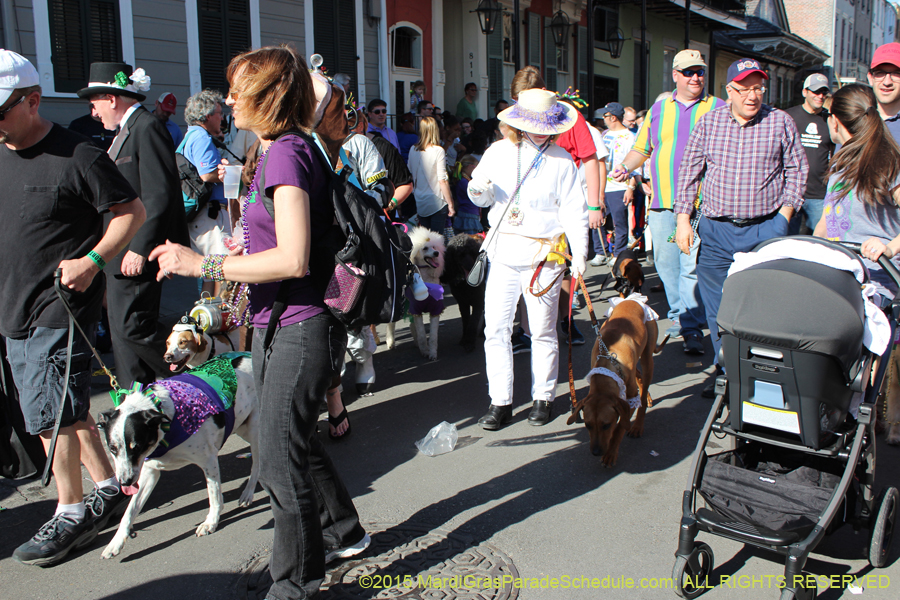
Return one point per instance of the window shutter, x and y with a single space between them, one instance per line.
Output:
82 32
534 40
224 27
550 51
495 65
335 37
583 60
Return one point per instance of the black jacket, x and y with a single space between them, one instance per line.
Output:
146 157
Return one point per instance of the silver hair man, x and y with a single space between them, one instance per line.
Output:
201 106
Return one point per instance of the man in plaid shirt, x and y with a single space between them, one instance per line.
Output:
753 169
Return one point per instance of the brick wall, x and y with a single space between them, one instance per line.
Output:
813 20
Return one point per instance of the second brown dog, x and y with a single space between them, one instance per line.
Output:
628 273
607 415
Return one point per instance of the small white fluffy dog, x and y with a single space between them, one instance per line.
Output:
428 256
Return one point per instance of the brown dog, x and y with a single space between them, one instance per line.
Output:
628 273
607 416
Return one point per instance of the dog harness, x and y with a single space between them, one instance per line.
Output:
649 313
202 393
433 304
632 402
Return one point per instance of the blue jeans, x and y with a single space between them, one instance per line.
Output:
721 240
678 272
313 510
466 223
813 207
436 222
38 363
615 204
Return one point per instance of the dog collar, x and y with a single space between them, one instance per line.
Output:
632 402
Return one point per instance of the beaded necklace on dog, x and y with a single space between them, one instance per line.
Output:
243 318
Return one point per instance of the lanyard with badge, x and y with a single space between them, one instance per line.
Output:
516 215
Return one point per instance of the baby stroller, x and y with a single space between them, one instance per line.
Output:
800 465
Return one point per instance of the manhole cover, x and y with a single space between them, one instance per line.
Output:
410 562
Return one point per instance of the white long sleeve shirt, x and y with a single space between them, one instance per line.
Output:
552 200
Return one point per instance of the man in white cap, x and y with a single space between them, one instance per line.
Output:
58 187
166 106
811 119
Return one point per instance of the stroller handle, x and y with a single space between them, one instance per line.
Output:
883 261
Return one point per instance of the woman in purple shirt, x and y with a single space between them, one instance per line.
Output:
272 96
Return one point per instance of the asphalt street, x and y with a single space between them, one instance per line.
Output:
526 502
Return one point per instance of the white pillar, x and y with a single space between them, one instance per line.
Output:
384 61
361 53
438 76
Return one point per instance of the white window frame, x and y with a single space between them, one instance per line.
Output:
192 24
44 50
420 70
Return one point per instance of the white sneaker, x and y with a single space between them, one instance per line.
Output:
349 551
597 261
611 261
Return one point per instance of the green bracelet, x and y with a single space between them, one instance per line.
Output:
593 208
98 260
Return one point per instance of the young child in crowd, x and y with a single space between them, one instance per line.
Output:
468 216
416 94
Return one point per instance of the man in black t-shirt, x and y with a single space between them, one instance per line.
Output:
812 123
57 185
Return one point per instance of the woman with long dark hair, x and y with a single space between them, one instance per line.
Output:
864 182
315 520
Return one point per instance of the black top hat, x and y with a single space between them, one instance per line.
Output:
115 78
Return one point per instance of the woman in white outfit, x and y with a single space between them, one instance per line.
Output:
526 227
427 164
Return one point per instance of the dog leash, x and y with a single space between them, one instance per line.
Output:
595 325
51 450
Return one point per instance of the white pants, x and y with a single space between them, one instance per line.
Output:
207 235
505 284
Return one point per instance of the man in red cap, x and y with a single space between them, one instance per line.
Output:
165 108
751 163
884 77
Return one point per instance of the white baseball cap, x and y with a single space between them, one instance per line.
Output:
15 72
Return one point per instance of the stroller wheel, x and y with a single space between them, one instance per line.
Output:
883 527
691 573
801 593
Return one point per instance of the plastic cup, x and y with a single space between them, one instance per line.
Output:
232 181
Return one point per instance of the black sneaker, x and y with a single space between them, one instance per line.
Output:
693 344
105 504
521 343
577 337
53 542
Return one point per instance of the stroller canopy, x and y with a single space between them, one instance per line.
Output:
796 305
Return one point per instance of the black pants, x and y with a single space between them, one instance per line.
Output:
133 308
313 510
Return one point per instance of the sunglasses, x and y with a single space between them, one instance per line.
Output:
10 107
378 111
691 72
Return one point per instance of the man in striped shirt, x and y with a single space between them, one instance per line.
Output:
662 139
753 168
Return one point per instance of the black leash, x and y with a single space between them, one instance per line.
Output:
57 284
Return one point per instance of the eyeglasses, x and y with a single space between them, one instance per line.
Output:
10 107
691 72
379 111
759 90
878 75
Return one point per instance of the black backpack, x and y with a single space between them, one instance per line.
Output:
195 193
361 237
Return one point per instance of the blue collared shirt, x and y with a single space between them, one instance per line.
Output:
388 134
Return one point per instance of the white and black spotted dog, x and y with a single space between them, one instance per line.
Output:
179 421
428 256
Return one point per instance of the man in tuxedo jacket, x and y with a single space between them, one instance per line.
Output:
144 153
